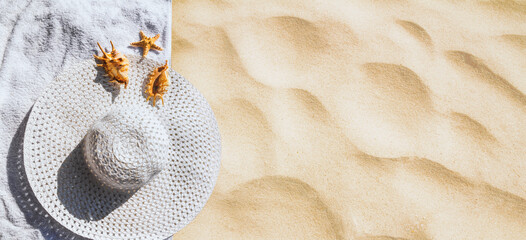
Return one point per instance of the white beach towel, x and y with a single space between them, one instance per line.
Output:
37 40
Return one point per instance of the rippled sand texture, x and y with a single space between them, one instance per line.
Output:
361 119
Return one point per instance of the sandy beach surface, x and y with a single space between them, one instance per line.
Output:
361 119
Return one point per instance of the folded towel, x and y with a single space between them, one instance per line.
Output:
37 40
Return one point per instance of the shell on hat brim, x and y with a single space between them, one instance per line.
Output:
115 64
158 83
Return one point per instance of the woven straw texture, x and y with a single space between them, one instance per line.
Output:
60 177
127 147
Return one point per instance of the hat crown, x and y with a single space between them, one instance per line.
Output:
127 147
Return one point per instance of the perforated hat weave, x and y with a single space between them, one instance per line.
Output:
107 165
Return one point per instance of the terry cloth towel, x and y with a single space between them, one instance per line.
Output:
37 40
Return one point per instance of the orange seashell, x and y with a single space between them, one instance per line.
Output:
158 83
116 65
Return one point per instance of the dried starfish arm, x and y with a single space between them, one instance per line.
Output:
154 46
136 44
142 34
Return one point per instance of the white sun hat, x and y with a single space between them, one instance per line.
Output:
107 165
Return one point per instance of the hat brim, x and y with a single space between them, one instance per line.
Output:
61 181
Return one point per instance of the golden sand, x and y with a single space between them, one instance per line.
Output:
361 119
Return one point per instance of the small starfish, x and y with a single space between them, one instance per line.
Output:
146 43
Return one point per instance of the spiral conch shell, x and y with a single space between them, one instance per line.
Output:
115 64
158 83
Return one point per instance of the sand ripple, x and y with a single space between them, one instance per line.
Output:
363 120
